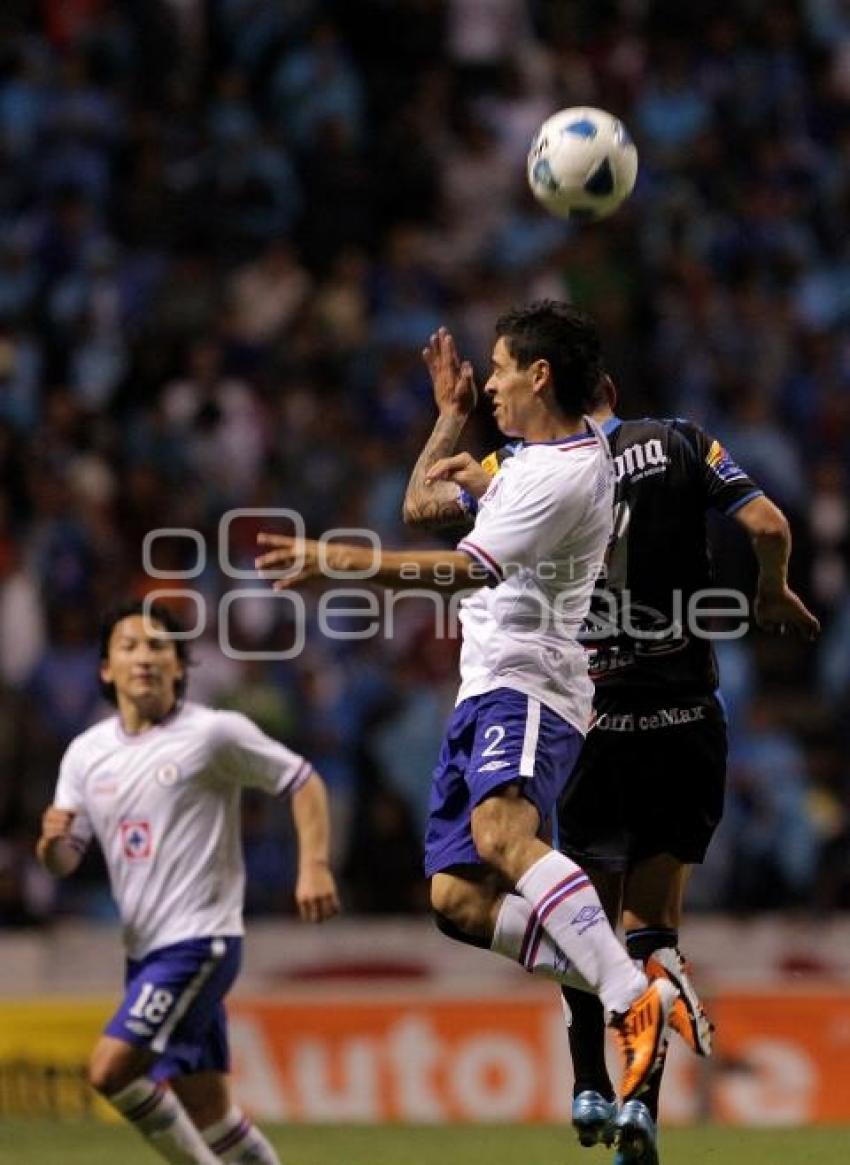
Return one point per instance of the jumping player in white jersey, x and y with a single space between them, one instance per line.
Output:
649 829
524 703
159 786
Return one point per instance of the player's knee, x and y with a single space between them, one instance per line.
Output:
459 905
445 900
491 840
109 1073
106 1077
451 930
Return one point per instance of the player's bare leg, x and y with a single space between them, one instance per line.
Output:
118 1071
555 902
652 914
231 1136
561 898
474 905
565 905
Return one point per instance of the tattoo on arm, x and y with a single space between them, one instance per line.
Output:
435 505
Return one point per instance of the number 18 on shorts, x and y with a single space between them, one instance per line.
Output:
173 1004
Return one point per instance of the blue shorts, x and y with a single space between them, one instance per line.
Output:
173 1005
492 740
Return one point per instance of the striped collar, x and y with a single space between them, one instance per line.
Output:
585 438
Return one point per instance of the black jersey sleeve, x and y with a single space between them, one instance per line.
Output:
724 485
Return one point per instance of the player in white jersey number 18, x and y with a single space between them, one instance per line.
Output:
158 785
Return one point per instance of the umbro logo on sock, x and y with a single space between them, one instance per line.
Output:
587 917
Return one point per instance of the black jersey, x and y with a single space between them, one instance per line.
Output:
669 475
639 634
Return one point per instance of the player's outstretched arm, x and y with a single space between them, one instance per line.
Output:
291 561
434 504
777 607
315 890
57 850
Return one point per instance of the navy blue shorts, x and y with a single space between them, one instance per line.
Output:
658 770
492 740
173 1005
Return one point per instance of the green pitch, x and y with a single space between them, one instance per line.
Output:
43 1143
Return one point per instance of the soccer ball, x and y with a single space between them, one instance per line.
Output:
582 163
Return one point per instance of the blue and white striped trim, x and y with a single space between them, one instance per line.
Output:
576 440
529 741
741 502
218 949
482 558
468 502
302 776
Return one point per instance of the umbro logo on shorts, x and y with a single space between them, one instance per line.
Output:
138 1028
493 766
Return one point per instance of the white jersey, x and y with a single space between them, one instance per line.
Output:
541 533
164 806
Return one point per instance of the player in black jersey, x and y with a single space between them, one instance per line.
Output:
657 717
626 816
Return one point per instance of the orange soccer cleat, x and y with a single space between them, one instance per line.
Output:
640 1034
687 1019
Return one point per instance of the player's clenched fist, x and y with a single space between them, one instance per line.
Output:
59 859
56 823
316 893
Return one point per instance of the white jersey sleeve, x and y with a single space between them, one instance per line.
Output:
69 795
246 756
522 517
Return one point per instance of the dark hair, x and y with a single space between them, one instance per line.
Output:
567 339
156 613
605 394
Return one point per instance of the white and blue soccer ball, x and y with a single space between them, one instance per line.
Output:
582 163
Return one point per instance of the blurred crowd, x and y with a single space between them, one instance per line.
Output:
226 230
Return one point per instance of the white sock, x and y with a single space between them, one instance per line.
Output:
511 938
565 906
163 1121
239 1142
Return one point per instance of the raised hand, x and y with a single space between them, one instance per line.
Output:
453 382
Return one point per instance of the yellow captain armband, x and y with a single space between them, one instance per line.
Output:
491 464
494 461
